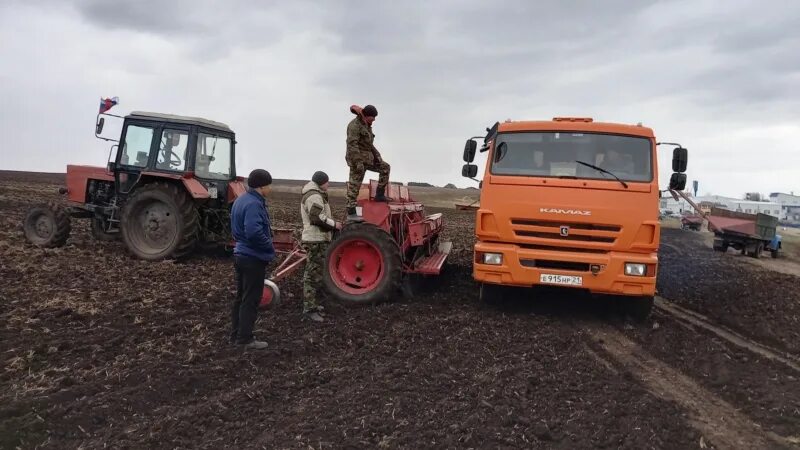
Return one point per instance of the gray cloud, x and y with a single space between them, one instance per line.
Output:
168 18
284 73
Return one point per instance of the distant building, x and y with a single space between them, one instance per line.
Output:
790 206
745 206
668 204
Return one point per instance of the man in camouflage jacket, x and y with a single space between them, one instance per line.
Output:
362 156
318 227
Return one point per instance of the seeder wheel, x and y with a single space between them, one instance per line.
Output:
271 296
363 265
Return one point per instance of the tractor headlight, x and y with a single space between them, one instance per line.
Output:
493 259
635 269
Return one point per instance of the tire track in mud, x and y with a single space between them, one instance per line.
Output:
719 421
691 318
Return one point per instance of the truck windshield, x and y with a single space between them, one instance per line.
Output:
557 154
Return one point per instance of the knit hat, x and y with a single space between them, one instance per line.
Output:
369 111
320 178
259 178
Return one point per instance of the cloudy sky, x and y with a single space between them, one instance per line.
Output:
721 77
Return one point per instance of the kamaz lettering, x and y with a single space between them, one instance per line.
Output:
575 212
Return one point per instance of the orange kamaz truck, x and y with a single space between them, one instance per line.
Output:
573 203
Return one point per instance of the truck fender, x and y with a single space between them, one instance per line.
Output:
775 243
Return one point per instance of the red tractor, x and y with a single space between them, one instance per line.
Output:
366 262
169 187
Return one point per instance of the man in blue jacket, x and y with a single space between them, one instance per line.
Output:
250 226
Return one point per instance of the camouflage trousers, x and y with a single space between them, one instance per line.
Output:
312 276
357 171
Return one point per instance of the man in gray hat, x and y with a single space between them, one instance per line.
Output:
318 227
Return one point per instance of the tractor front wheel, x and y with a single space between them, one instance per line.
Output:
363 265
47 225
160 221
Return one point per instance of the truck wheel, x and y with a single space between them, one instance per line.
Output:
638 308
99 231
363 265
159 221
755 250
490 294
47 225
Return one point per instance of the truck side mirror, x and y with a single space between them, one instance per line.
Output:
680 159
98 128
469 171
469 150
677 182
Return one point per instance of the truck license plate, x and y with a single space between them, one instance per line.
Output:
566 280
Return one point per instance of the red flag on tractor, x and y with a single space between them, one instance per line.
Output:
108 103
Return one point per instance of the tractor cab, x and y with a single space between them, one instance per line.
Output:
156 144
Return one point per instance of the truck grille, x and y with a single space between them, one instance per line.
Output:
562 248
557 265
546 231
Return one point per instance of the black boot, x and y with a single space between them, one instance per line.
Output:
353 217
380 195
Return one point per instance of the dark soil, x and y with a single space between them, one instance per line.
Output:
98 349
754 301
768 392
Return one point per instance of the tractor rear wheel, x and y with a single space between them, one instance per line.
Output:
47 225
363 265
160 221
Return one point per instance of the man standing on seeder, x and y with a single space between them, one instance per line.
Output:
362 156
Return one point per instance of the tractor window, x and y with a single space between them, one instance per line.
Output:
136 148
172 150
213 157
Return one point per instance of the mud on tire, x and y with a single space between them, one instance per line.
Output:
160 221
47 225
362 265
